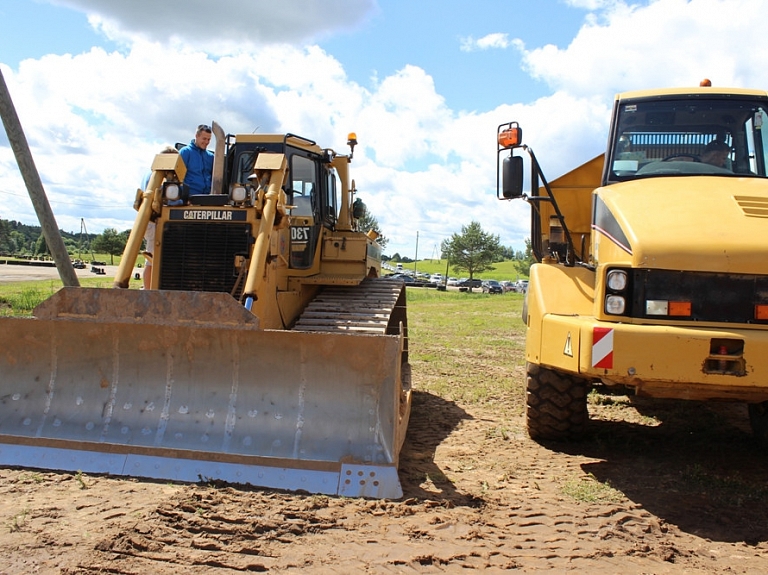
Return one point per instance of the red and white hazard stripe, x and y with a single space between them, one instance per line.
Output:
602 347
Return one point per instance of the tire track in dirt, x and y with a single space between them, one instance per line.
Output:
479 495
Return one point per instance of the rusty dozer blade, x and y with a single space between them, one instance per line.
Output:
184 386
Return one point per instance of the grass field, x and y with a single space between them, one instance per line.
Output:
19 298
455 333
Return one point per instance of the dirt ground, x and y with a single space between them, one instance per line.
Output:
656 494
657 487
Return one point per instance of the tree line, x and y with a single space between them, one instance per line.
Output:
473 250
24 241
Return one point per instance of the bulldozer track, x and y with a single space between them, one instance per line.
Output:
365 308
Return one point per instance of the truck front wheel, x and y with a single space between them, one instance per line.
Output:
556 404
758 419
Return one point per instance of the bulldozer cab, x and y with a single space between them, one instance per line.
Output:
311 186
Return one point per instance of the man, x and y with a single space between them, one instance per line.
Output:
716 153
198 161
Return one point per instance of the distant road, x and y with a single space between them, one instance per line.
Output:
22 273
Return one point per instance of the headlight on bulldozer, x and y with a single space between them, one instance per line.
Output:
171 191
238 193
615 304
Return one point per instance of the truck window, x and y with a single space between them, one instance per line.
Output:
678 137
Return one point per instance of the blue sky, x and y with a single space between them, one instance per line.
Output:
101 85
429 34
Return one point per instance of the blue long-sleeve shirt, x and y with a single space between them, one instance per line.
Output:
199 165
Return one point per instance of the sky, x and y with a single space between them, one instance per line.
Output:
101 86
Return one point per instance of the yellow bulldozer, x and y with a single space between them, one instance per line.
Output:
268 350
651 271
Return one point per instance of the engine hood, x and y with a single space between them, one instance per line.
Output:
717 224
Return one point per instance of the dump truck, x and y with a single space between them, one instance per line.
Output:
267 350
651 273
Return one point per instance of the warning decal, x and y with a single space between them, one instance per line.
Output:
568 350
602 348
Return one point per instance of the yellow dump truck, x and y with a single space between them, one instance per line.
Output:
652 267
268 350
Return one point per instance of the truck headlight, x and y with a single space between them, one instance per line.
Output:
617 280
615 304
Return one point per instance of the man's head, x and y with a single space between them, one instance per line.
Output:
203 136
715 153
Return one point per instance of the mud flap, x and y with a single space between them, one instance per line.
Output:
160 388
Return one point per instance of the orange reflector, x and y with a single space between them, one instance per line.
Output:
680 308
510 137
761 311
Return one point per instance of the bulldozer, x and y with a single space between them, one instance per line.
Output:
650 274
266 351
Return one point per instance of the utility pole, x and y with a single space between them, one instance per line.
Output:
35 187
87 240
416 257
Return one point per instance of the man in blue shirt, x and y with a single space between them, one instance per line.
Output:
199 162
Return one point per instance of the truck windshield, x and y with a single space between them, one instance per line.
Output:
689 136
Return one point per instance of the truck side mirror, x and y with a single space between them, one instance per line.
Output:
512 177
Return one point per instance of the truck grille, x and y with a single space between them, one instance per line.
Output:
200 256
721 298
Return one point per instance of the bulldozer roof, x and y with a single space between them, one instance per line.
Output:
292 139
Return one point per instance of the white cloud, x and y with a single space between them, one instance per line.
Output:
591 4
496 40
666 43
95 120
223 26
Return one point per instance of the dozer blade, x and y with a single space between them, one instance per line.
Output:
184 386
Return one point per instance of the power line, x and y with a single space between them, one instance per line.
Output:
67 202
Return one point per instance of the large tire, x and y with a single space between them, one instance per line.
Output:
758 419
556 404
525 308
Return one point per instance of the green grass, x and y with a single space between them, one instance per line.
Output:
587 489
467 347
20 298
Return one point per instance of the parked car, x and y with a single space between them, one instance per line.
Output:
475 283
492 286
453 282
521 286
507 286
